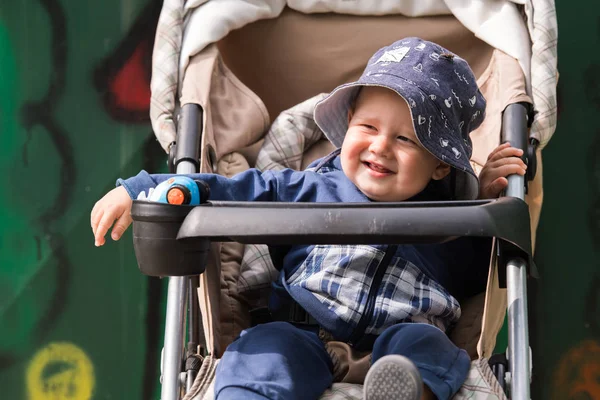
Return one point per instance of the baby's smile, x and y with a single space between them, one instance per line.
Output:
377 170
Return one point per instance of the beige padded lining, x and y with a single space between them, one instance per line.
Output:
296 56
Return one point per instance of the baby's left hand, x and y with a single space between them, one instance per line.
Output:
503 161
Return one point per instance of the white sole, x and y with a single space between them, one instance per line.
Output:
393 377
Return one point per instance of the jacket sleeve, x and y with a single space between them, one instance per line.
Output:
250 185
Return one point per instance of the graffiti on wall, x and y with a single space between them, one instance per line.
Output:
60 370
123 77
37 117
41 113
577 375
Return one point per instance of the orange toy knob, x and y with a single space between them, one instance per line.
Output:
178 195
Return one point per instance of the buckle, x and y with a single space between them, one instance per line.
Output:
294 314
297 315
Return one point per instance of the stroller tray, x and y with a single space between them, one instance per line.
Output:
362 223
155 228
172 240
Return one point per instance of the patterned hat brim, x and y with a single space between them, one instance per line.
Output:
436 133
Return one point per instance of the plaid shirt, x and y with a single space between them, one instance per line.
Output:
340 278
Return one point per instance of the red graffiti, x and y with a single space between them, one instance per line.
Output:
123 77
578 373
130 88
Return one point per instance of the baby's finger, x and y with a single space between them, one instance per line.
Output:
505 152
95 218
497 149
507 161
509 169
497 186
99 242
121 226
107 220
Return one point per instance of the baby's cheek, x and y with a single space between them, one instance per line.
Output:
351 168
347 166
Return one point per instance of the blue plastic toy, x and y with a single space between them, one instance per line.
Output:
179 190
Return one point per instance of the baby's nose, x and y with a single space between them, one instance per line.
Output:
380 144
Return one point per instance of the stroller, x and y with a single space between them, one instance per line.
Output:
226 68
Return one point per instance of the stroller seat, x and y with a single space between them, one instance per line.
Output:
238 98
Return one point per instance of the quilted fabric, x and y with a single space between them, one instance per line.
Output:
479 385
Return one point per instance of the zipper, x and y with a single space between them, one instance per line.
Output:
370 306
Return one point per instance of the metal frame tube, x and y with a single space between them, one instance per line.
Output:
193 311
499 372
187 155
518 330
174 338
190 378
514 130
193 322
175 323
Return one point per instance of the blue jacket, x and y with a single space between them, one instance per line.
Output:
346 288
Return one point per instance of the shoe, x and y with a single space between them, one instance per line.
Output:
393 377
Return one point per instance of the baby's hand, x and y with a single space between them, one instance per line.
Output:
503 161
114 206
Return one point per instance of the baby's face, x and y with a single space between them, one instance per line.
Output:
381 154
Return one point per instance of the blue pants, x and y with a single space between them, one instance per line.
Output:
278 361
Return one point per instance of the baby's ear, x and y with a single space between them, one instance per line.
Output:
441 171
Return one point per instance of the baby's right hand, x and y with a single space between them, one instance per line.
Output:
114 206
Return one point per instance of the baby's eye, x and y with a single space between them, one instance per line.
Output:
404 139
369 127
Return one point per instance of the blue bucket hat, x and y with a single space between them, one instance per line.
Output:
443 97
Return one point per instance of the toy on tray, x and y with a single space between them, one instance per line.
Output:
178 190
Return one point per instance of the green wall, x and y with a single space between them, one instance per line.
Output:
565 303
78 322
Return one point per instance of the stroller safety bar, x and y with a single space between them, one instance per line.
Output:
372 223
165 249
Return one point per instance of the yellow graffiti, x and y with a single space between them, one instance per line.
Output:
578 373
60 371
